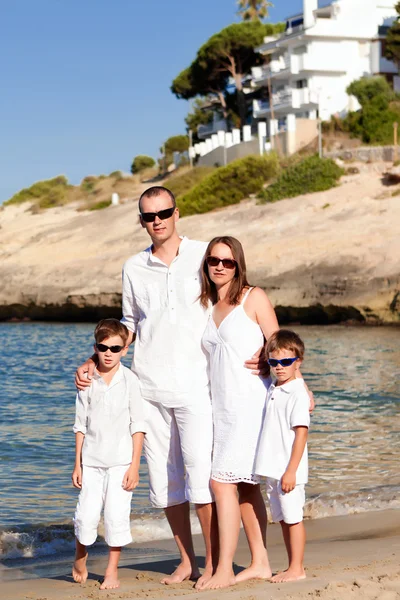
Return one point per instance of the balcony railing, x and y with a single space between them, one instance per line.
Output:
287 97
204 131
273 68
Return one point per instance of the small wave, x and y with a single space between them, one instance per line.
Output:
48 540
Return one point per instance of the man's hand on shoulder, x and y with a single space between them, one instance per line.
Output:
84 374
258 364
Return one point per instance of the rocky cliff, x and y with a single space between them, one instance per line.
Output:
322 258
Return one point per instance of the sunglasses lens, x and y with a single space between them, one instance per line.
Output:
101 347
212 261
166 214
116 349
272 362
228 263
148 217
286 362
104 348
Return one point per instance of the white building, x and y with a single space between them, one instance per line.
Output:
321 52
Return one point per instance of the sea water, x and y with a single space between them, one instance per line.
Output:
354 438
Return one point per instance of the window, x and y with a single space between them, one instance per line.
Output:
301 83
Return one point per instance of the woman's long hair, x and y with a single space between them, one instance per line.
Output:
208 289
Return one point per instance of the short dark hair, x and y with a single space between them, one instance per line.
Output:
285 339
108 327
154 191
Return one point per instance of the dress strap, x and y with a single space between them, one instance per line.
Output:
245 296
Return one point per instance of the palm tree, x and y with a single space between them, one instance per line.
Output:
253 10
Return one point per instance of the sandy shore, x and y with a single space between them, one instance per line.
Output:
348 557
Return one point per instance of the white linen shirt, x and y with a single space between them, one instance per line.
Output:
287 407
108 416
160 304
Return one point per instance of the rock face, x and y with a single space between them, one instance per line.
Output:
322 258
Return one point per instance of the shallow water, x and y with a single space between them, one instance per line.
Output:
353 447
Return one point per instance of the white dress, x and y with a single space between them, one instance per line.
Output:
238 396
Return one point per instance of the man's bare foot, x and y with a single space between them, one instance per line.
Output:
205 578
221 579
79 570
182 573
110 581
289 575
256 571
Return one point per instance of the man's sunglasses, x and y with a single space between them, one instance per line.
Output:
114 349
227 263
284 362
150 217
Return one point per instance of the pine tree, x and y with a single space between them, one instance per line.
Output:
253 10
392 45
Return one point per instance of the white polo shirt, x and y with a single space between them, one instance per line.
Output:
108 416
287 407
160 304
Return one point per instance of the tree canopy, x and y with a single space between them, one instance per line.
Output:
141 162
253 10
392 45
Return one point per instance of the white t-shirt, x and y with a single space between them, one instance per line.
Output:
287 407
108 416
160 304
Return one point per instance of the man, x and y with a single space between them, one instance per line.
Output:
160 306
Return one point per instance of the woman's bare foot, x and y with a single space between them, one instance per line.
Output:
182 573
79 570
255 571
205 578
110 581
221 579
289 575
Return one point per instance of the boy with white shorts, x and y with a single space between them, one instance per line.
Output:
282 454
109 430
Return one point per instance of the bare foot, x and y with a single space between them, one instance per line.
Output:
221 579
182 573
111 581
79 570
289 575
256 571
205 578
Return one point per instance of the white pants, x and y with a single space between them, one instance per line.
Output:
178 448
287 507
102 488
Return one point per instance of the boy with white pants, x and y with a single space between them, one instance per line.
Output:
109 431
282 454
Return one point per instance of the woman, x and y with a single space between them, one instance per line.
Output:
241 318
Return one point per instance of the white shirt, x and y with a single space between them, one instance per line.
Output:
160 304
287 407
108 416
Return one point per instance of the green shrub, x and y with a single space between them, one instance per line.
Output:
100 205
229 185
50 191
181 184
88 184
142 162
116 175
312 174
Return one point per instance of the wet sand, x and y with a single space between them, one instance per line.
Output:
350 557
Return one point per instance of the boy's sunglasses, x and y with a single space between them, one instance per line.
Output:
114 349
227 263
150 217
284 362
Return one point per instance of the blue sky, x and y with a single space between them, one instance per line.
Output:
84 84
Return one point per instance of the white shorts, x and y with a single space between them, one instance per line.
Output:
178 449
285 507
102 488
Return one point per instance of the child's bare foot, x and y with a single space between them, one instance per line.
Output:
79 570
221 579
255 571
290 575
182 573
111 581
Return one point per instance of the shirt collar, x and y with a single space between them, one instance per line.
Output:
116 378
288 387
151 259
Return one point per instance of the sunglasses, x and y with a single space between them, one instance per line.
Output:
284 362
150 217
114 349
227 263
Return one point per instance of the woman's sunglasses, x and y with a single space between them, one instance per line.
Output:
227 263
150 217
284 362
114 349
